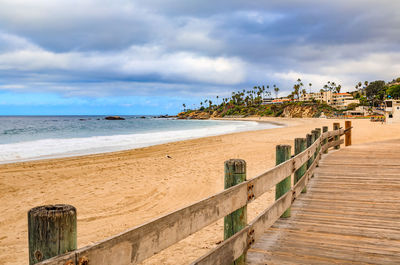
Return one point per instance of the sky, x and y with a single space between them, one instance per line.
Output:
108 57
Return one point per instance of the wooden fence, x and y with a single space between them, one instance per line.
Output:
142 242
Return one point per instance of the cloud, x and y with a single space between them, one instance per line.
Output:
101 48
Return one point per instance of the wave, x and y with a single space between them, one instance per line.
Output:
54 147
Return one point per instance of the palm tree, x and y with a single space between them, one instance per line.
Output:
276 89
184 106
309 84
297 88
304 92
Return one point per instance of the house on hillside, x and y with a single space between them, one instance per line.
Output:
392 111
343 100
336 100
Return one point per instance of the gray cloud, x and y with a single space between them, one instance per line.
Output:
98 48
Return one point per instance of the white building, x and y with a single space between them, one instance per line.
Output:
336 100
392 111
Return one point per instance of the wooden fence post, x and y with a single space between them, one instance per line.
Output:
310 140
283 153
51 231
300 146
315 137
347 126
235 173
318 135
336 126
325 129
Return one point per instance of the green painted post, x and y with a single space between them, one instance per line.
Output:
235 173
51 231
283 153
299 146
310 140
336 126
319 146
325 129
315 137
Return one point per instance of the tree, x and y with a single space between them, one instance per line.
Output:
297 87
373 88
276 89
394 91
333 87
338 88
184 106
375 91
310 85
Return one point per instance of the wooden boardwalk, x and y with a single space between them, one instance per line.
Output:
350 214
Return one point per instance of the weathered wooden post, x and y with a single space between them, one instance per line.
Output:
315 137
347 126
283 153
310 141
299 146
235 173
318 135
325 129
336 126
51 231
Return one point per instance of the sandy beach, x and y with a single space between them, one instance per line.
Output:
115 191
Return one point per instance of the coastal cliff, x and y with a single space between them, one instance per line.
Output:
290 110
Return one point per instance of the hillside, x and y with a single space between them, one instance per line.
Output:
291 109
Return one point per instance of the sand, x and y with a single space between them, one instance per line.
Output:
115 191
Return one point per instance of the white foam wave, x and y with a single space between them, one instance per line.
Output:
53 148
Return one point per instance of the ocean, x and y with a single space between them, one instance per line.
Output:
25 138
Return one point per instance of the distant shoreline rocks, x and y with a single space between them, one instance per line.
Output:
114 118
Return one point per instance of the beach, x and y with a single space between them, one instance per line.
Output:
116 191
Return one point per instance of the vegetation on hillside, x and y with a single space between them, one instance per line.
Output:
249 102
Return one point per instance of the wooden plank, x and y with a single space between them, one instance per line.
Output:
141 242
335 143
224 254
232 248
354 202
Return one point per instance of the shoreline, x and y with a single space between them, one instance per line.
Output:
116 191
91 152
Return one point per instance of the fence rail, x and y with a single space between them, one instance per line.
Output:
142 242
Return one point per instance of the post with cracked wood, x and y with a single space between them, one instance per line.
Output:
235 173
283 153
51 231
315 137
319 146
325 129
299 146
347 127
336 126
310 140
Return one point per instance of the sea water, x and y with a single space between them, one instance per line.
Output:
37 137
